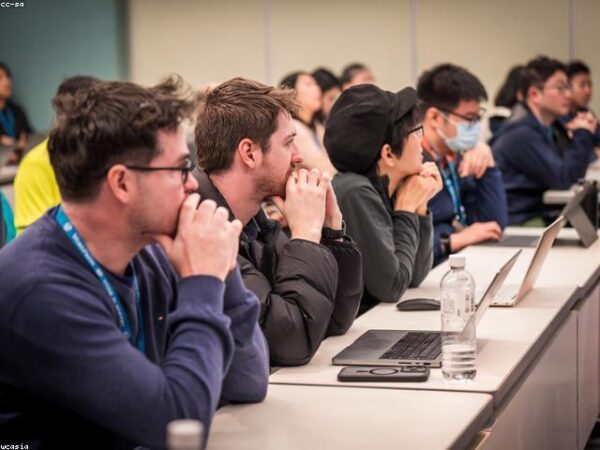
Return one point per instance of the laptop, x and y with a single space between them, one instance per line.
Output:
511 294
412 347
572 212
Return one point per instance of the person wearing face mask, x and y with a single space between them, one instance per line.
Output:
536 152
472 206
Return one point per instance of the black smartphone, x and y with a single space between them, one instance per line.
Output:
400 373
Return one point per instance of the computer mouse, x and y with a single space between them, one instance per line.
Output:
418 304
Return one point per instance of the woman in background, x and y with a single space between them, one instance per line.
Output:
330 90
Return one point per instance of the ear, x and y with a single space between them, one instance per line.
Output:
533 93
433 117
386 156
119 181
249 153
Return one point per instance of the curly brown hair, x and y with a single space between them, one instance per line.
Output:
238 109
109 123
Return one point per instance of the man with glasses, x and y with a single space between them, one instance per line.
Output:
472 206
535 153
106 338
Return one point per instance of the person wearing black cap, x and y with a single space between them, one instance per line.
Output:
373 140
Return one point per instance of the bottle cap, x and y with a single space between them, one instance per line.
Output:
457 261
184 434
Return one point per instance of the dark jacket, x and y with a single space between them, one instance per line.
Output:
396 245
484 200
307 291
534 158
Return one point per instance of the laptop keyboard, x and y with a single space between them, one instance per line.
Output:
416 345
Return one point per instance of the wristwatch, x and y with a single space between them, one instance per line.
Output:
445 244
330 234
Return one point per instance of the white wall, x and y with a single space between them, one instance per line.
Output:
214 40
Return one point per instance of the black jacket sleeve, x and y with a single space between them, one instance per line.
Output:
350 284
297 304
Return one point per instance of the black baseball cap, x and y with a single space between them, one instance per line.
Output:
361 121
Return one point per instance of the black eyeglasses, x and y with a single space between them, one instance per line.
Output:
417 130
187 167
472 120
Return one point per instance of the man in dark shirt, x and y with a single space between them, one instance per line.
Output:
105 339
535 152
309 286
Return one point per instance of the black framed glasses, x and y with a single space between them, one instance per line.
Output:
472 120
417 130
187 167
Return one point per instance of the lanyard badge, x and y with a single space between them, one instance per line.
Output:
124 324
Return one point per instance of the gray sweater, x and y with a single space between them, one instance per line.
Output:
397 246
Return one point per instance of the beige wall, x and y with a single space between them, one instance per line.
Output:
213 40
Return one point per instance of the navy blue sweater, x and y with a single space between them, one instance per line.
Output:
70 379
531 162
484 200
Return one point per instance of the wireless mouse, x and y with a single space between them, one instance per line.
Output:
418 304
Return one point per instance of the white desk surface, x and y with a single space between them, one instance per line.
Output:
509 339
314 417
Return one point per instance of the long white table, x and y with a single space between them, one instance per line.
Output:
314 417
537 384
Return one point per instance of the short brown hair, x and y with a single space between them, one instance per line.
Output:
110 123
238 109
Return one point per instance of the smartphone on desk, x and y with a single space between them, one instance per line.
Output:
386 374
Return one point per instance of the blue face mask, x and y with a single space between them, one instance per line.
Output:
467 136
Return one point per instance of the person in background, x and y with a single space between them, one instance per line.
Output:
472 206
580 80
14 126
354 74
309 130
106 338
330 90
309 285
374 141
536 153
507 103
35 185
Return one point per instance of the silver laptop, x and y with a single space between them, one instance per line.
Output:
511 294
5 152
412 347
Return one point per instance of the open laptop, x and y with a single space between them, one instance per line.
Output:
572 212
511 294
412 347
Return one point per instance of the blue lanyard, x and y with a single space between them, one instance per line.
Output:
66 225
453 187
7 119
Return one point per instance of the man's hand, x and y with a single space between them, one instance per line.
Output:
473 234
583 120
7 140
206 242
333 215
476 161
304 204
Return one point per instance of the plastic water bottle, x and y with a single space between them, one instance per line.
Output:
184 434
459 343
